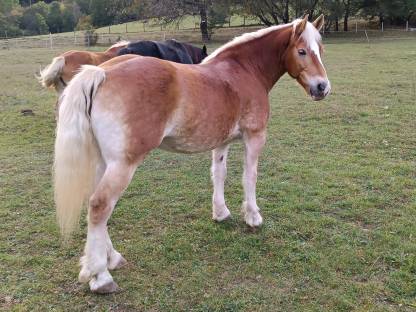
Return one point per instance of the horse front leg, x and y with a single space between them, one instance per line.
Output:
253 143
99 252
220 211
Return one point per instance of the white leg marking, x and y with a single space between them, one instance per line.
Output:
115 259
253 147
95 258
99 251
220 211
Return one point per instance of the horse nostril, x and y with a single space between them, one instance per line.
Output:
322 86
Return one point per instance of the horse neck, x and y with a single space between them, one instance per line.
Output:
262 56
112 51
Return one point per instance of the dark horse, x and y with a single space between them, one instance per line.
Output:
170 50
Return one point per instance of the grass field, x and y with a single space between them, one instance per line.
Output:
337 188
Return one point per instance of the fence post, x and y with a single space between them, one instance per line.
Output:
126 29
382 26
356 26
244 20
407 25
109 29
50 40
368 39
88 37
75 38
7 40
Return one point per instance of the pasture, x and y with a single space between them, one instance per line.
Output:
337 188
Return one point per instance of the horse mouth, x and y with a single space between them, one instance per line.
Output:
318 96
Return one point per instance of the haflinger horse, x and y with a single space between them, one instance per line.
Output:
113 115
171 50
65 66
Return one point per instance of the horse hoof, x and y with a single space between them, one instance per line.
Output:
222 215
117 262
253 219
106 288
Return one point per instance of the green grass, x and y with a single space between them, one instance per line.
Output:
337 188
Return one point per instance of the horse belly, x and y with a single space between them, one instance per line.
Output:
199 141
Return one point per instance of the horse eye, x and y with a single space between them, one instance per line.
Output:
302 52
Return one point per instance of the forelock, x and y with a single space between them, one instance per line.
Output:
311 36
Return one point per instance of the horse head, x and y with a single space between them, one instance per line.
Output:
303 58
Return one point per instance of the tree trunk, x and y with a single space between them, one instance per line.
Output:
347 14
204 23
337 24
286 16
346 22
312 10
381 16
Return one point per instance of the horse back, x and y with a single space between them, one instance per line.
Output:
143 48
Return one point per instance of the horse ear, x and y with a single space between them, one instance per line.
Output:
300 27
204 49
319 22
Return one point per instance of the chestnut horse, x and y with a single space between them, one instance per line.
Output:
112 116
65 66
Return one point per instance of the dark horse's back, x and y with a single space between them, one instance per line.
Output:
144 48
170 50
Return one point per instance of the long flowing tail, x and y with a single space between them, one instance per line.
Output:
49 76
76 150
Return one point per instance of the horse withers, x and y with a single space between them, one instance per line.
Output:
113 115
171 50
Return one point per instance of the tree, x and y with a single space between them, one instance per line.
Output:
54 18
7 5
70 15
85 6
102 12
9 27
333 11
269 12
396 11
174 10
34 18
274 12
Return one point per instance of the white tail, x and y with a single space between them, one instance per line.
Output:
76 150
49 76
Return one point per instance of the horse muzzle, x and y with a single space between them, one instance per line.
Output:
320 90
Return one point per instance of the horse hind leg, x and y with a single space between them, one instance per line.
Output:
253 144
114 259
98 252
220 211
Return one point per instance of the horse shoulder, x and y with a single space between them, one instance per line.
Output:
256 112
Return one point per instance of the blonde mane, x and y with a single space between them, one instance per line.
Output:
310 35
119 44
